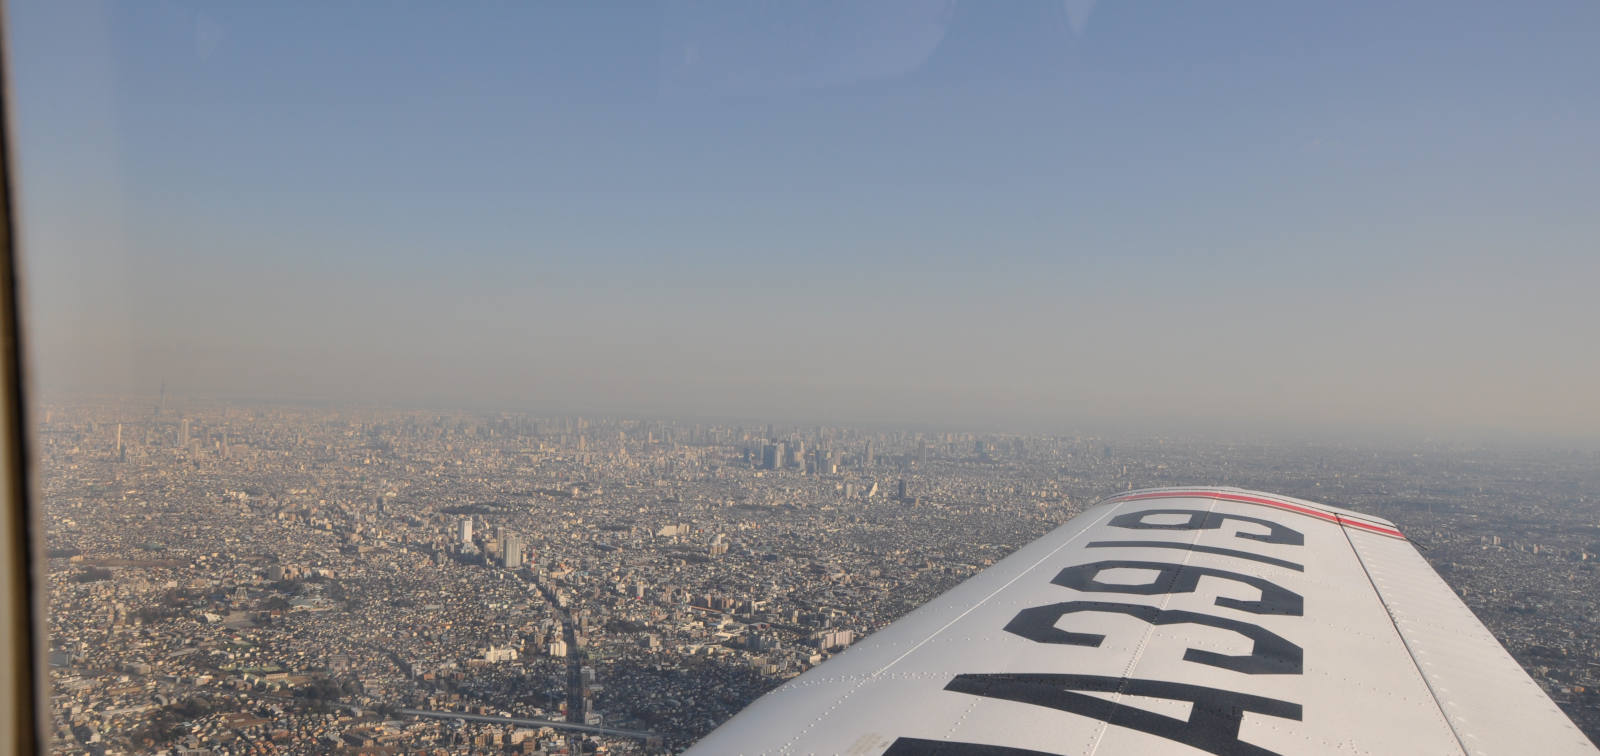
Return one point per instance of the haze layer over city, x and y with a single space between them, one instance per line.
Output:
398 370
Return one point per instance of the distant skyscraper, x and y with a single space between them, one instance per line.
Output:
511 551
869 459
900 490
820 462
772 456
122 453
183 434
464 530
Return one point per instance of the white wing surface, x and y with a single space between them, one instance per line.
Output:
1176 621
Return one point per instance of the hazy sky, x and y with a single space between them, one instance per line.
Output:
1352 214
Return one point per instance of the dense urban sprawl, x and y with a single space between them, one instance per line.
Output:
255 579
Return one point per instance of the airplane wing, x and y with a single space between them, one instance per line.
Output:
1176 621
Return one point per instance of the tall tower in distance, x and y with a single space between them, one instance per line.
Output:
464 530
511 551
820 462
772 456
122 451
183 434
869 460
797 456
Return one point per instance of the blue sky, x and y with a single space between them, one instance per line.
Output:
1361 215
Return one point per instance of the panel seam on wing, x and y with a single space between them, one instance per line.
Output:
1150 631
1406 644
